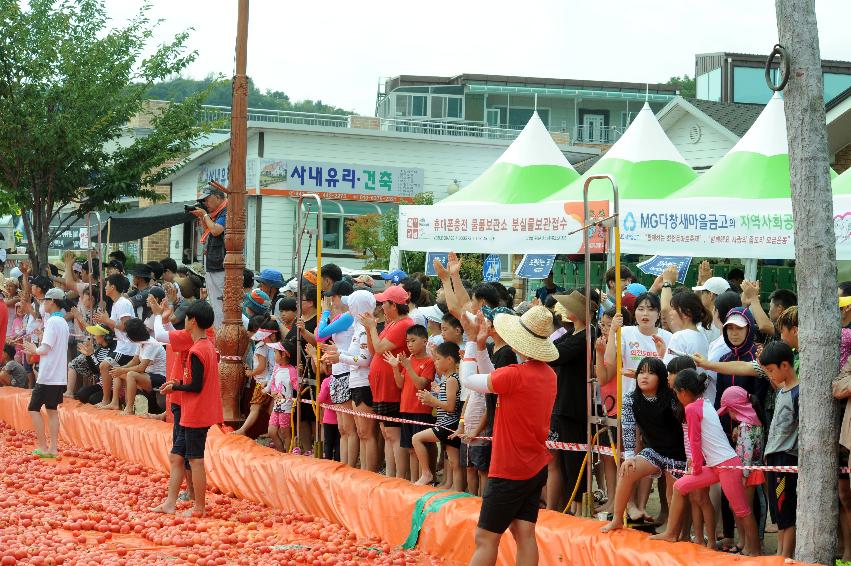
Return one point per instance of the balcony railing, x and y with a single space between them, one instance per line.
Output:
456 128
597 134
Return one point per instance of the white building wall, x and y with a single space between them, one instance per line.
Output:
710 147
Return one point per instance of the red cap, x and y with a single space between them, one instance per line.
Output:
394 294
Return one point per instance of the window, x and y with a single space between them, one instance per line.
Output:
336 216
446 106
749 85
408 105
835 84
709 85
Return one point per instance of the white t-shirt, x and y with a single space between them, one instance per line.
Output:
262 351
687 342
636 346
53 366
121 309
418 318
716 448
711 335
153 351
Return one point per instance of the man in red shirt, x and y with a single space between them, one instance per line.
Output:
201 408
518 470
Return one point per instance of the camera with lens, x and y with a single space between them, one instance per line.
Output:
191 207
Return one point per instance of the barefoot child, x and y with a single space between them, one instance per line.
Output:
650 409
711 454
52 376
414 373
448 404
201 408
263 363
280 386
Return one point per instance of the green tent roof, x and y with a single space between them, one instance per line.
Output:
531 169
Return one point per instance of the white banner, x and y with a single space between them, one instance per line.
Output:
498 229
714 227
696 227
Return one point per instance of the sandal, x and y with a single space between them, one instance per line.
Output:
41 454
735 549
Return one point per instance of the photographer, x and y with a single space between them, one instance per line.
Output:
212 217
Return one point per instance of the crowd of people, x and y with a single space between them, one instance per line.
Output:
440 381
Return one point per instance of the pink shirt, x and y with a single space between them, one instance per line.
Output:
329 416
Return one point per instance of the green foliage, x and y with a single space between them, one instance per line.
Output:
364 237
69 85
685 85
220 94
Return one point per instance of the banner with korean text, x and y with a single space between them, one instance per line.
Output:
551 227
696 227
715 227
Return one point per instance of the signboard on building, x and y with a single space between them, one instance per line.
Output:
336 180
443 257
536 266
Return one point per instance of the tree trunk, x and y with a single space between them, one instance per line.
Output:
815 254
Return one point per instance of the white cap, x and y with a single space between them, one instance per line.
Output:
431 313
15 272
715 285
737 319
291 286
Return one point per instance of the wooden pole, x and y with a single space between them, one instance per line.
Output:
815 254
232 340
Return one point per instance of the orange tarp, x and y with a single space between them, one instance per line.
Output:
366 503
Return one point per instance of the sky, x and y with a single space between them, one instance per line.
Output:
338 50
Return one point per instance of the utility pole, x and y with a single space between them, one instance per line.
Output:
815 256
232 340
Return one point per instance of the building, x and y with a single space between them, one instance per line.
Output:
740 77
586 112
359 165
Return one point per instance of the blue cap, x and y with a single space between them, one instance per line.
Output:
271 277
636 289
394 276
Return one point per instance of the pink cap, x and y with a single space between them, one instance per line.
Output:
735 401
394 294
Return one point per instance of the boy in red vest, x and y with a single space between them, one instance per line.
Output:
201 408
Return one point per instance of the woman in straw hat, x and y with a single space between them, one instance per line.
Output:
518 469
570 411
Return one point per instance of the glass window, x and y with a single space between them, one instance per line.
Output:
749 85
410 105
331 233
438 107
454 108
709 85
418 105
835 84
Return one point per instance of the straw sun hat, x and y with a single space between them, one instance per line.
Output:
529 334
574 303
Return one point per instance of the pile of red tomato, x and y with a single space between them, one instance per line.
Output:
90 508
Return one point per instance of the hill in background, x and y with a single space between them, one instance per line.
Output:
178 89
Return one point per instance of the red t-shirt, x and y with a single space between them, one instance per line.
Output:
202 409
522 422
381 380
410 404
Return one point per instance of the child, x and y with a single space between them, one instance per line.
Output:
53 373
12 373
781 449
451 330
650 409
201 408
146 371
414 374
702 511
86 365
280 386
263 363
711 456
331 441
448 403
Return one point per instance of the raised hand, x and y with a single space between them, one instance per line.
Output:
484 331
670 274
391 359
453 263
750 292
367 319
704 272
617 322
600 345
441 271
661 348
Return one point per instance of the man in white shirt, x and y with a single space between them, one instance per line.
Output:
122 311
52 376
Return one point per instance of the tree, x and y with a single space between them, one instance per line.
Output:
685 85
178 89
68 87
815 254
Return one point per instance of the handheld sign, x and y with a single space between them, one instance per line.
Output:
658 263
429 261
536 266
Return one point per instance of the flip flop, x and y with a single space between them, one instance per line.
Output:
41 454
